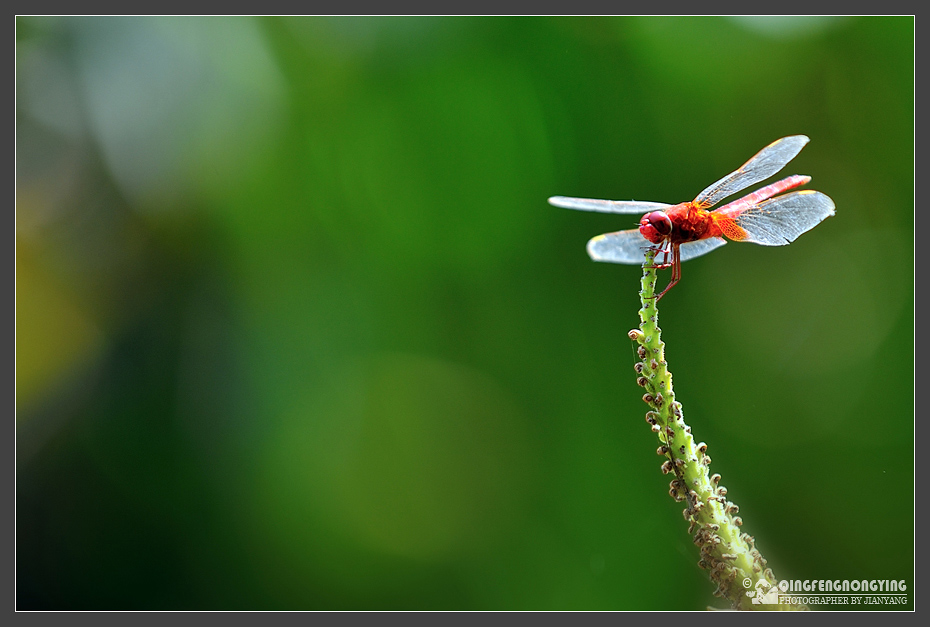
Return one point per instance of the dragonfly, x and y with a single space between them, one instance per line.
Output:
687 230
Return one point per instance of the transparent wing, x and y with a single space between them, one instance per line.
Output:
780 220
764 164
621 247
690 250
607 206
630 247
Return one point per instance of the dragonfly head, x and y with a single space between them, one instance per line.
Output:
655 226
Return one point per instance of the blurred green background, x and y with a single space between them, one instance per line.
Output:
297 329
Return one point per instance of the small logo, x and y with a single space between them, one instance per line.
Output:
764 594
827 592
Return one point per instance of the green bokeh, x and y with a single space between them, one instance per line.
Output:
297 329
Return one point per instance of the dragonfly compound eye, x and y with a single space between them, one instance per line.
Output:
655 226
660 222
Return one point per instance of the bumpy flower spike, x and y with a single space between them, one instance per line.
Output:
727 553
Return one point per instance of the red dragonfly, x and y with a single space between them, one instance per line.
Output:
688 230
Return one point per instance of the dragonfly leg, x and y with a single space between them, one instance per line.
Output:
676 271
660 250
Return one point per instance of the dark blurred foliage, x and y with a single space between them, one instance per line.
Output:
297 329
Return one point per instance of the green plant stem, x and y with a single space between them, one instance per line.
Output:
727 553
